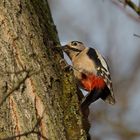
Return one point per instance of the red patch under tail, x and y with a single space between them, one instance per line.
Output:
89 82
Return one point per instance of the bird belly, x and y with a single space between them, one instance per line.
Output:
83 65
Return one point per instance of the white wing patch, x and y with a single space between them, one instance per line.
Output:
104 71
102 60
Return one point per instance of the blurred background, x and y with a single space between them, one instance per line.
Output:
110 27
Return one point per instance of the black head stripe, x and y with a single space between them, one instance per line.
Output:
74 49
76 42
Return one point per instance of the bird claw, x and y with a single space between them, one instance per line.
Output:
68 68
65 66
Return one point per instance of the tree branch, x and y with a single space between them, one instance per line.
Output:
136 35
133 6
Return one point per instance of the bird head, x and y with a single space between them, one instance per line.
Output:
73 48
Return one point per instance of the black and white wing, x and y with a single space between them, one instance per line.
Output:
102 71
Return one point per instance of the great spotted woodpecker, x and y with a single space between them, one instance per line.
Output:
91 72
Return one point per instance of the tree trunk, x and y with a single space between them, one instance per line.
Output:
38 100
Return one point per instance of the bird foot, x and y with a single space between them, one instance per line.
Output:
65 66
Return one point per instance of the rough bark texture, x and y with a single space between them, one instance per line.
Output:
38 100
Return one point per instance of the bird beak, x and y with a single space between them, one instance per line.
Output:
65 47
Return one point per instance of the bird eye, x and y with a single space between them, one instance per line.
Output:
74 43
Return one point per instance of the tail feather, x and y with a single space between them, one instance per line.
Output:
90 98
108 96
96 94
109 99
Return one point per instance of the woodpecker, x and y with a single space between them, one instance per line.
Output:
91 72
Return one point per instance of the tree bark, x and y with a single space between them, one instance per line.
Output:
38 100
